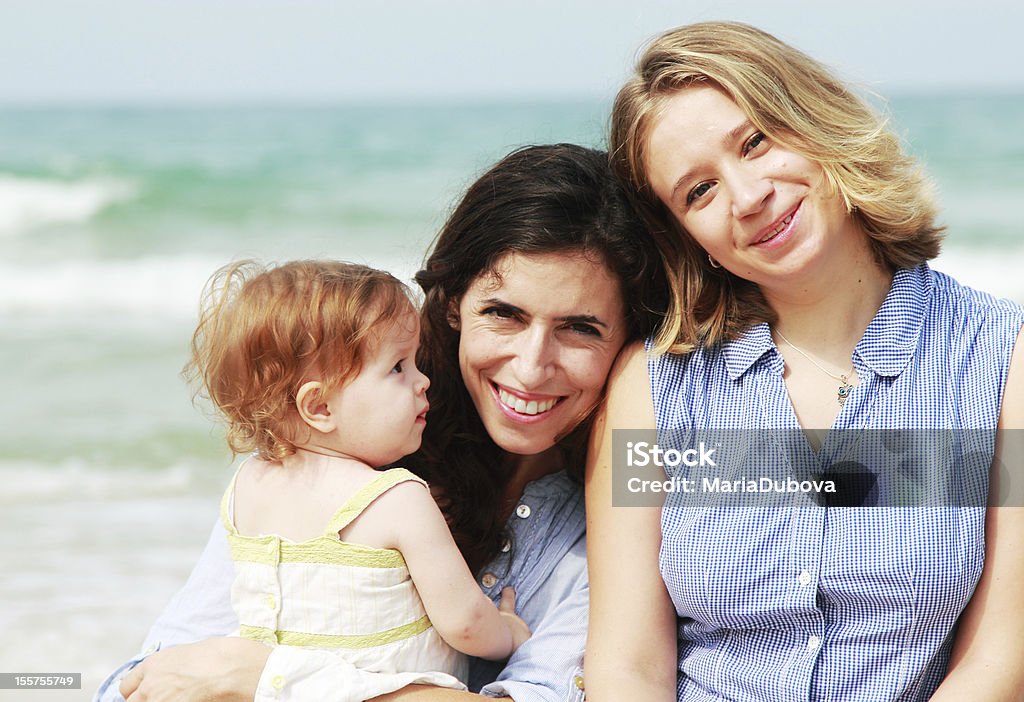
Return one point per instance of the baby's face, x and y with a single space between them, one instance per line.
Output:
382 411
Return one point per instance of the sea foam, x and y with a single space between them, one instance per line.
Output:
168 287
78 479
992 270
121 291
27 203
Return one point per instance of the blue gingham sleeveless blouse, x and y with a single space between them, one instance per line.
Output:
812 601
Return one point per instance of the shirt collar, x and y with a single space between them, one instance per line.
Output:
888 343
742 353
891 339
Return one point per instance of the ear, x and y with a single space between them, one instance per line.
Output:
454 320
312 407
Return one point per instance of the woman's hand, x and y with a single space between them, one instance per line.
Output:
516 626
220 669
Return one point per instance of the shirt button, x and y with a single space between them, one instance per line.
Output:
271 602
523 511
277 682
506 546
805 577
488 580
578 682
813 643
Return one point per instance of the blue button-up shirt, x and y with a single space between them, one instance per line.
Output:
803 599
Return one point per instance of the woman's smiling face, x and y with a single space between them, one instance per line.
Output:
761 210
537 339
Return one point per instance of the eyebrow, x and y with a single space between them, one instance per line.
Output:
730 137
571 318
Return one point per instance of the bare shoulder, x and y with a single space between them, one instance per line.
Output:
629 399
407 502
410 493
406 516
631 365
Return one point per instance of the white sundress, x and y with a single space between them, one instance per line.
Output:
354 600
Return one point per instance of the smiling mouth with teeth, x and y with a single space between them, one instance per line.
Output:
531 407
778 230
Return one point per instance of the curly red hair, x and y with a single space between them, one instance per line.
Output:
264 331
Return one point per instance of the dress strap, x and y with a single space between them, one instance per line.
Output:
366 495
227 503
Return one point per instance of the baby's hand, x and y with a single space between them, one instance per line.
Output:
507 608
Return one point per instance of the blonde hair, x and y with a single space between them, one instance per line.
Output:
263 332
796 102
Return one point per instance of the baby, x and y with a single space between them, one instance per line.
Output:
312 366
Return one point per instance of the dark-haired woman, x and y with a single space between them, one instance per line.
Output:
538 278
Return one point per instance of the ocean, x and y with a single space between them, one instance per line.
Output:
111 220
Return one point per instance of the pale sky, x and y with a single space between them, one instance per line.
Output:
342 50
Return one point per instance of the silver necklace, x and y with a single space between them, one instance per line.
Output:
844 379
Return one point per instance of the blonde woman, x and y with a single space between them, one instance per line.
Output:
797 235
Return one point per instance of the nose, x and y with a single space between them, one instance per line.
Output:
421 382
750 191
535 357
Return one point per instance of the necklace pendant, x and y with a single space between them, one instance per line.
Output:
844 390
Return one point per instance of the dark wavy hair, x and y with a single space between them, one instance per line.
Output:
537 200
